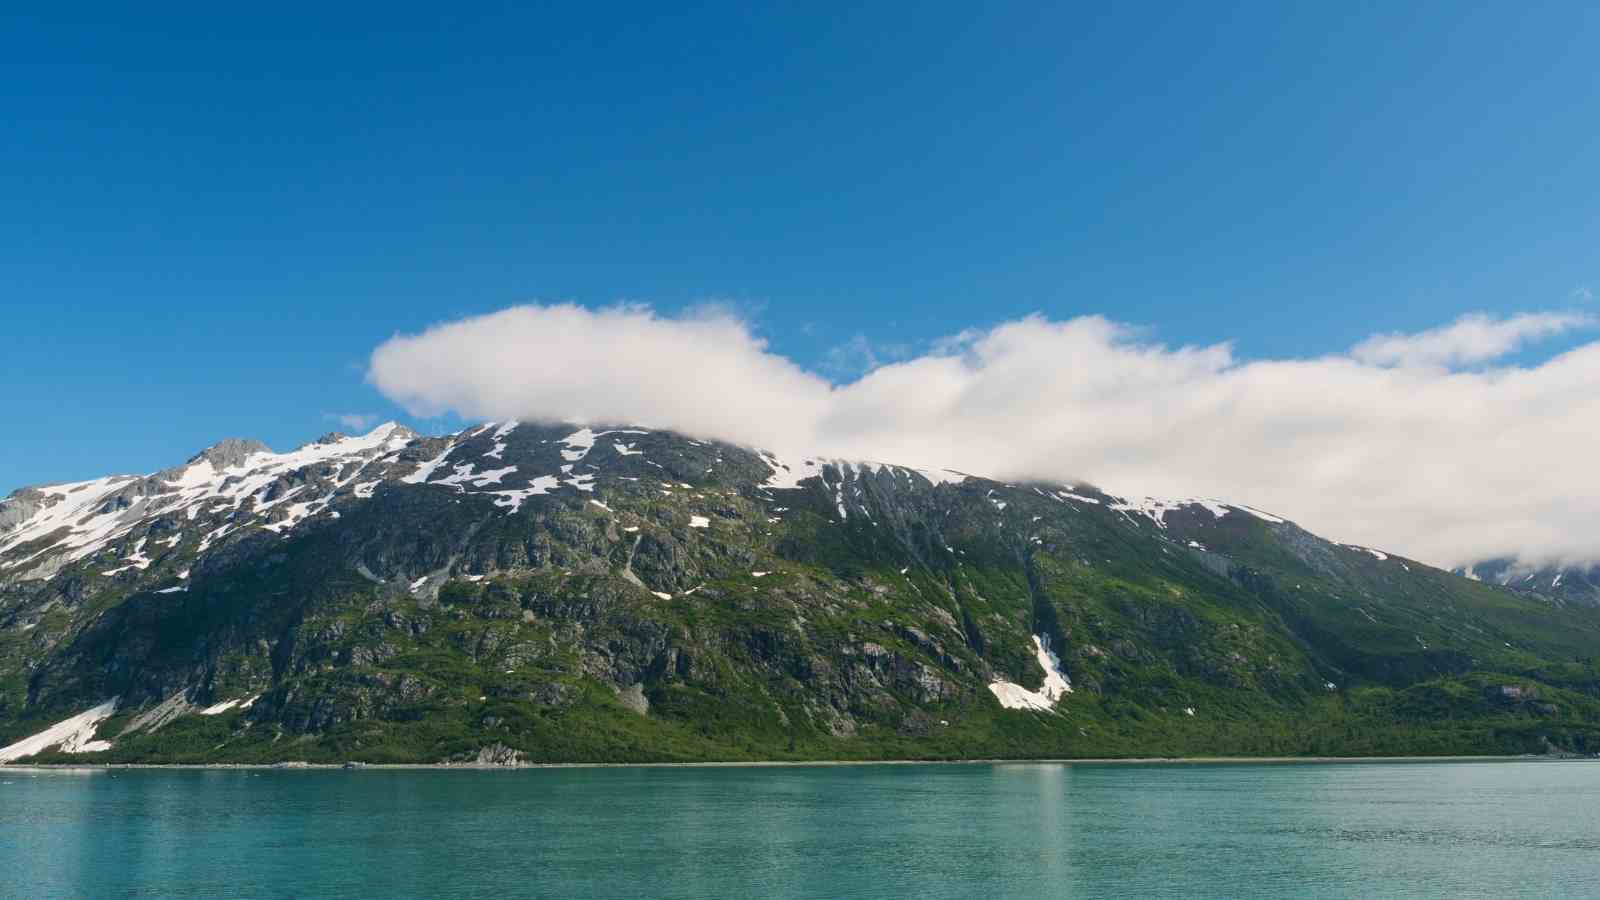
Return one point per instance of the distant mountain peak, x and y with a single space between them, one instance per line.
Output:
1578 583
229 452
386 431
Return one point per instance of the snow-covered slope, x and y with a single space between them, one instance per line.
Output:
123 525
73 735
113 520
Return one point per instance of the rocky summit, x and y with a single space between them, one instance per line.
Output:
524 593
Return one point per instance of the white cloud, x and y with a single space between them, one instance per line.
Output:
354 421
859 355
706 374
1386 446
1470 339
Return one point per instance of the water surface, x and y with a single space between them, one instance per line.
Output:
1520 829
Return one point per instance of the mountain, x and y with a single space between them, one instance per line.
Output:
542 592
1553 583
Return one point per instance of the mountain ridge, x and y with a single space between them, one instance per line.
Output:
1553 582
571 594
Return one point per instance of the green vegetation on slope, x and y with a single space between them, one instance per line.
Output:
427 625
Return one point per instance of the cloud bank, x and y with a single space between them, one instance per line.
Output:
1470 339
1396 444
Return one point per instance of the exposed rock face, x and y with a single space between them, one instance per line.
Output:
633 698
20 506
1512 692
538 592
154 717
229 453
498 755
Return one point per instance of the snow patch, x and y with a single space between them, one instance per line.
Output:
74 735
512 500
134 560
217 709
1265 517
1156 510
426 469
1056 684
787 474
580 442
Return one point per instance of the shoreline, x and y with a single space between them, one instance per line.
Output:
758 764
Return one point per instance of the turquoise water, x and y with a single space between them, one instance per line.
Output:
1524 829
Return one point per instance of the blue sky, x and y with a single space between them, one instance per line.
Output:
210 217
